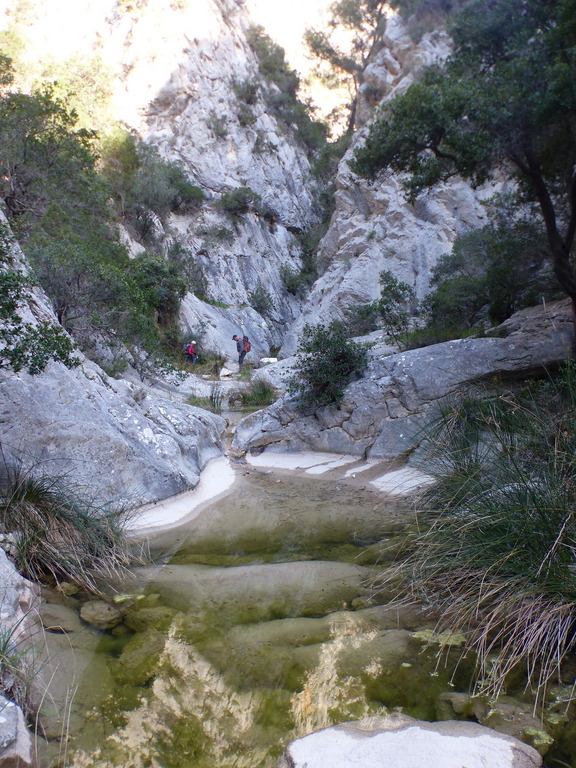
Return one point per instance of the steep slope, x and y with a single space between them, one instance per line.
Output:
185 79
373 228
116 439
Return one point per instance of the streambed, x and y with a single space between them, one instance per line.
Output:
257 622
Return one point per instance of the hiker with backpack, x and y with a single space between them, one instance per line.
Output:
191 354
243 346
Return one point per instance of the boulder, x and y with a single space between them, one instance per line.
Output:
15 740
100 614
398 741
383 414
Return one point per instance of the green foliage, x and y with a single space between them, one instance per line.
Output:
239 201
504 103
284 101
259 393
85 84
394 305
326 362
190 269
342 58
364 318
44 159
246 90
497 562
218 125
492 272
261 300
298 281
390 312
142 182
161 285
60 535
25 346
17 665
365 20
216 234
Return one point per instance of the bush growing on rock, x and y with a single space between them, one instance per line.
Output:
327 361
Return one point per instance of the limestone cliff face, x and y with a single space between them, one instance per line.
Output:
373 228
177 70
119 440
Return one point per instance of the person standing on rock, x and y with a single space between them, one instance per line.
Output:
243 346
191 354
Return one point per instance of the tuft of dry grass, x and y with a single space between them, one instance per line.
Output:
60 535
497 559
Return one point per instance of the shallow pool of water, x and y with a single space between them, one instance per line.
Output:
257 623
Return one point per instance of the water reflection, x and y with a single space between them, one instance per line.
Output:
261 625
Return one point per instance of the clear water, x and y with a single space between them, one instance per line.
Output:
257 624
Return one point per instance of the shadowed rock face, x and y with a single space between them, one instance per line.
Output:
382 414
17 600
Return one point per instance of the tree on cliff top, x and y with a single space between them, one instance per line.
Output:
363 22
504 103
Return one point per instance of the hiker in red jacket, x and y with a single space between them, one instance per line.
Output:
191 354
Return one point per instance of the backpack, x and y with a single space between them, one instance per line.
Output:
247 344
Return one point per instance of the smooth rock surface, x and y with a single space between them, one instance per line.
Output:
382 415
401 742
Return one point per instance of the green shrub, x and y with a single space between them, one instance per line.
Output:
284 102
25 346
239 201
364 318
216 234
261 300
218 125
246 90
246 117
259 393
327 360
491 273
394 306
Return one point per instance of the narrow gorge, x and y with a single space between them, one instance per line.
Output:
263 619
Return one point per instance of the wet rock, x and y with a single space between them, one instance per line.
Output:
259 592
70 679
398 741
139 660
15 740
100 614
60 618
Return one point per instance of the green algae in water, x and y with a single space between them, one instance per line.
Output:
226 684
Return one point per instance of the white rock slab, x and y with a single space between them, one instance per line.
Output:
341 462
216 479
400 482
305 460
356 470
401 742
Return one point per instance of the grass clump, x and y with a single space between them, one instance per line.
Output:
497 561
259 393
59 536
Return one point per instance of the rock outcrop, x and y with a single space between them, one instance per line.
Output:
373 227
398 741
382 415
18 598
118 439
184 79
